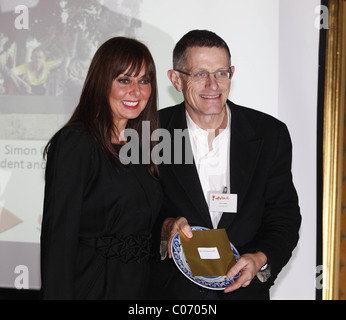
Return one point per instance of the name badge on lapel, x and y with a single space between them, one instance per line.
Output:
225 202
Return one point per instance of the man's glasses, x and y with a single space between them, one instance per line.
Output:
221 75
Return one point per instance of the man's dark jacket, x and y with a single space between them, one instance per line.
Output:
268 215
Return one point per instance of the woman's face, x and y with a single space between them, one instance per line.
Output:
129 96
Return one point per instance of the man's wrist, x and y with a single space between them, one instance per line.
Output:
264 273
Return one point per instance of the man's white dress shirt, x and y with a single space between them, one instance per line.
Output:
212 165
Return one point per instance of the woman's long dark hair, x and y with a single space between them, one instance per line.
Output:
113 58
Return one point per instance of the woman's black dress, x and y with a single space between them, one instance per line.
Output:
97 222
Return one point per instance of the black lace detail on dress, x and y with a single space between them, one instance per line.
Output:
128 249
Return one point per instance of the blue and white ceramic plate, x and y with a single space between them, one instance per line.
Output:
213 283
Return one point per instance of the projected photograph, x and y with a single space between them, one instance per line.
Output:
46 46
45 51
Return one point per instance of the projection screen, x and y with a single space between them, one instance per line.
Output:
274 46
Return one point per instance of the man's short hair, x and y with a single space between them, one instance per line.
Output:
196 38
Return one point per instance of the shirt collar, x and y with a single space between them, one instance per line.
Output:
195 129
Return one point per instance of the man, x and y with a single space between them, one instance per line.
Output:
238 151
33 76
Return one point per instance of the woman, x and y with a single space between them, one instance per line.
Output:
98 213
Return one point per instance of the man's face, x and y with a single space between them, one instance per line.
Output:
37 60
205 97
